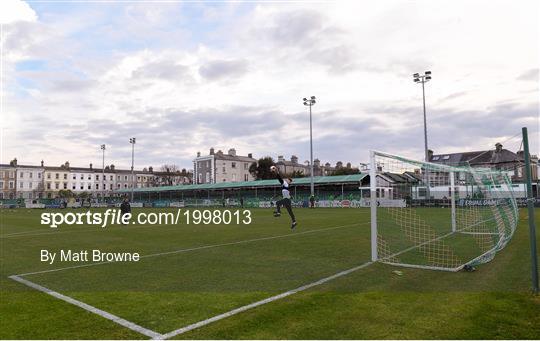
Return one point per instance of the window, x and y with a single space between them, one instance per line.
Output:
117 186
422 192
48 175
111 178
207 177
57 176
82 187
48 185
234 177
111 187
73 187
21 174
89 177
223 169
1 184
39 175
89 186
200 178
97 177
436 158
224 180
125 177
65 176
446 157
65 185
97 186
82 177
56 185
125 185
22 185
245 166
245 177
74 176
233 164
11 185
31 175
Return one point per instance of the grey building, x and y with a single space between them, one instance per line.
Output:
220 167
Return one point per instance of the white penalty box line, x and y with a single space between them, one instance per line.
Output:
155 335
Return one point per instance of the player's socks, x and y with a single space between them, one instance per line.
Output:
293 225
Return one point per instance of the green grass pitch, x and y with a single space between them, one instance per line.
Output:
167 292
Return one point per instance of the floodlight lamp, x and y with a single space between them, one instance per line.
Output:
416 75
313 97
428 72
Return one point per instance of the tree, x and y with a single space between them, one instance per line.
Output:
65 193
261 169
168 173
346 171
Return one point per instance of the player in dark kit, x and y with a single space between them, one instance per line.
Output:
286 200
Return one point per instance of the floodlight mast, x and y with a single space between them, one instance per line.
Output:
103 173
310 102
426 77
132 141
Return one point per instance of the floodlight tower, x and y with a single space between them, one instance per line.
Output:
426 77
132 141
103 173
311 102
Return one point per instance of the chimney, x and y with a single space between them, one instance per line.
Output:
316 163
112 167
348 165
250 156
498 147
198 154
212 151
429 154
151 169
232 152
339 164
91 166
42 163
13 162
280 158
67 164
327 165
294 159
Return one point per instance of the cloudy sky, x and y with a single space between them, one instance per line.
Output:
186 76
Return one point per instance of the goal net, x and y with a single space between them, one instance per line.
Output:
438 216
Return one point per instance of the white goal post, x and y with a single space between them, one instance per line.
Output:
438 216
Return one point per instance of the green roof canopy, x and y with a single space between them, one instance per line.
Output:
318 180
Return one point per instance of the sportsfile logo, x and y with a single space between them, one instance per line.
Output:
116 217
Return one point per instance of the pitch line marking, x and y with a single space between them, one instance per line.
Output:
128 324
259 303
196 248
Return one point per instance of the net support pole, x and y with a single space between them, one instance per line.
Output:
373 205
530 209
453 200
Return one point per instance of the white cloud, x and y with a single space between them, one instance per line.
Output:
12 11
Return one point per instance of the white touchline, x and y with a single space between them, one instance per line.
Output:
259 303
194 249
135 327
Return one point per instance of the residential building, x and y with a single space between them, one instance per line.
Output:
8 180
221 167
